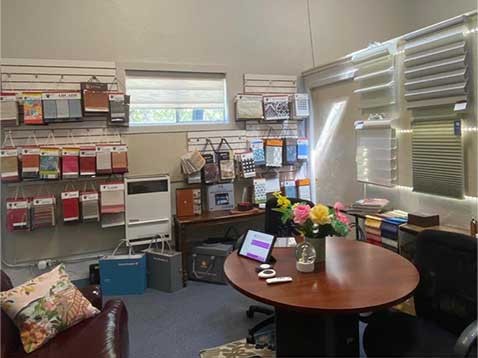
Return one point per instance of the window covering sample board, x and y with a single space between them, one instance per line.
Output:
103 159
61 106
8 110
89 206
70 163
249 107
95 98
119 110
276 108
49 162
71 205
9 164
32 108
31 162
43 211
87 160
376 157
436 69
112 198
119 159
18 214
437 157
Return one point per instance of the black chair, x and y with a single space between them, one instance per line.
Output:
274 226
445 304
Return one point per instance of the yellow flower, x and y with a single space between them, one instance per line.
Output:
319 214
283 202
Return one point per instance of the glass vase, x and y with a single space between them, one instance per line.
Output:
319 245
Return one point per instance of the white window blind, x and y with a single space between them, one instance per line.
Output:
176 97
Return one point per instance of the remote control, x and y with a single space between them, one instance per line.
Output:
278 279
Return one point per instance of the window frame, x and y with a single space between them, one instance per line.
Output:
123 67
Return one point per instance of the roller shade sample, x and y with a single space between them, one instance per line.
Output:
8 110
70 163
49 162
18 214
437 157
103 159
87 160
9 164
43 211
31 162
32 108
71 205
112 198
119 159
90 206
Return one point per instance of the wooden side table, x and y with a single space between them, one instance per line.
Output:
217 218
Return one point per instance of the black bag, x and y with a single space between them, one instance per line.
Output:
206 262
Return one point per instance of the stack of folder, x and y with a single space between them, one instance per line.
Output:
373 232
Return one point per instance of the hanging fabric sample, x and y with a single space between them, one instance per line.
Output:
249 107
8 110
87 160
30 162
276 108
273 152
210 171
95 98
260 195
119 110
70 163
71 205
302 149
290 151
225 159
49 162
112 198
43 211
257 148
9 164
290 189
300 105
89 206
103 159
119 158
61 106
247 166
303 189
18 214
32 108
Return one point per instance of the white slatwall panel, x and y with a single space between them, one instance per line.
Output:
286 129
236 139
62 136
269 84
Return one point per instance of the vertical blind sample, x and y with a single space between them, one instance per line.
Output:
9 164
32 108
87 160
90 206
18 214
31 162
8 110
49 162
70 164
376 157
436 68
437 157
71 205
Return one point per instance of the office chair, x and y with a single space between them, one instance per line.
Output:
274 226
445 303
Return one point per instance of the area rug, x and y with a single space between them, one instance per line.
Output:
237 349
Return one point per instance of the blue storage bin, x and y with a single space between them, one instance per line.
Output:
123 274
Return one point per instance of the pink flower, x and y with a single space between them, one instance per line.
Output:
338 206
301 213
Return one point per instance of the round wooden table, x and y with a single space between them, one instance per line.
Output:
317 313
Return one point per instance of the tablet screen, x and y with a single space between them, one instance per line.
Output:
257 246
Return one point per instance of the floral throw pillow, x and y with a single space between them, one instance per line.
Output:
43 307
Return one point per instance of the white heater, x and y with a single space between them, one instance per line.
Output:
148 209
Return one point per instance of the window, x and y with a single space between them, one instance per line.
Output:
176 97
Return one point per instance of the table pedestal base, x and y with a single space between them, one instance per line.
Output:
316 335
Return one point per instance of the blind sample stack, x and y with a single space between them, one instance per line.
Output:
437 157
9 164
90 206
32 108
8 110
119 110
273 152
61 106
31 162
88 160
376 79
249 107
49 162
276 108
103 159
376 157
43 211
119 159
70 163
71 205
18 214
436 68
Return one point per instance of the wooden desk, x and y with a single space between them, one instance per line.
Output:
225 217
317 313
415 230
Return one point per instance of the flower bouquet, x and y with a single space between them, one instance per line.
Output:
314 223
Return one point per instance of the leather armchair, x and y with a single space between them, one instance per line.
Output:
102 336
